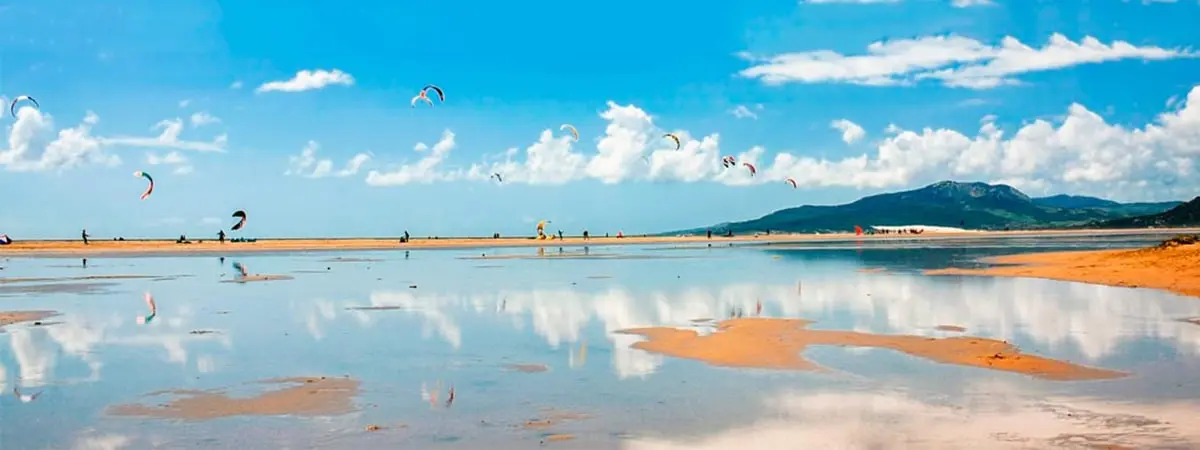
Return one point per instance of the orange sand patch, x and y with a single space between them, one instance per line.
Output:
307 397
558 437
1175 269
553 418
779 344
954 328
74 247
13 317
528 368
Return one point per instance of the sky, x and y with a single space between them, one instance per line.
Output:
301 114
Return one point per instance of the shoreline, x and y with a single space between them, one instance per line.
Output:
75 248
1172 269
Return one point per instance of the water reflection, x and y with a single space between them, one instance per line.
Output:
36 351
998 419
1079 320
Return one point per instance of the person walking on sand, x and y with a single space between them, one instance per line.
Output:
560 235
710 234
585 235
221 236
84 235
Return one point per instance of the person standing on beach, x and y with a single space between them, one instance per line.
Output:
585 235
560 235
84 235
405 235
221 236
710 234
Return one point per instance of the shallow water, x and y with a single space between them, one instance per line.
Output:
403 324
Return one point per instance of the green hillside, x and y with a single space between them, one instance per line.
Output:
1184 215
946 203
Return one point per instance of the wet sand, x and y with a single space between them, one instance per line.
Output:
527 368
779 344
76 248
1175 269
954 328
307 397
14 317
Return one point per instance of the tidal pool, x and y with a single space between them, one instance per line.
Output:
423 349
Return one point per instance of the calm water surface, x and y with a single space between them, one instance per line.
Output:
458 320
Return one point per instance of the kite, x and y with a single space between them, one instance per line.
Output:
792 182
12 107
149 188
424 95
571 128
498 178
678 144
241 223
751 167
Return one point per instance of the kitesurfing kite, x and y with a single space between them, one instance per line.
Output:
424 95
751 167
241 223
678 144
12 107
791 182
142 320
728 161
571 128
498 178
149 188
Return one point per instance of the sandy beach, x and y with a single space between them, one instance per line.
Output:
1175 269
134 247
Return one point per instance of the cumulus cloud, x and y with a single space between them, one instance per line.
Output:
307 165
202 118
744 112
1080 152
307 80
173 159
851 132
952 60
169 138
424 170
33 146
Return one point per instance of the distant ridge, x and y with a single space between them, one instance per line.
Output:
972 205
1186 214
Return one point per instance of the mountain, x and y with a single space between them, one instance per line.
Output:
1081 201
1186 214
945 203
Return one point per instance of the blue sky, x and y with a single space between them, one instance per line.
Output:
938 95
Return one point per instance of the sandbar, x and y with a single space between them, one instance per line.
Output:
527 368
768 343
312 396
13 317
1175 269
149 246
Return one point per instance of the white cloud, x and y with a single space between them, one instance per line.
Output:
851 132
169 138
33 146
175 159
743 112
306 80
200 119
184 103
952 60
424 170
236 84
1080 152
307 165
